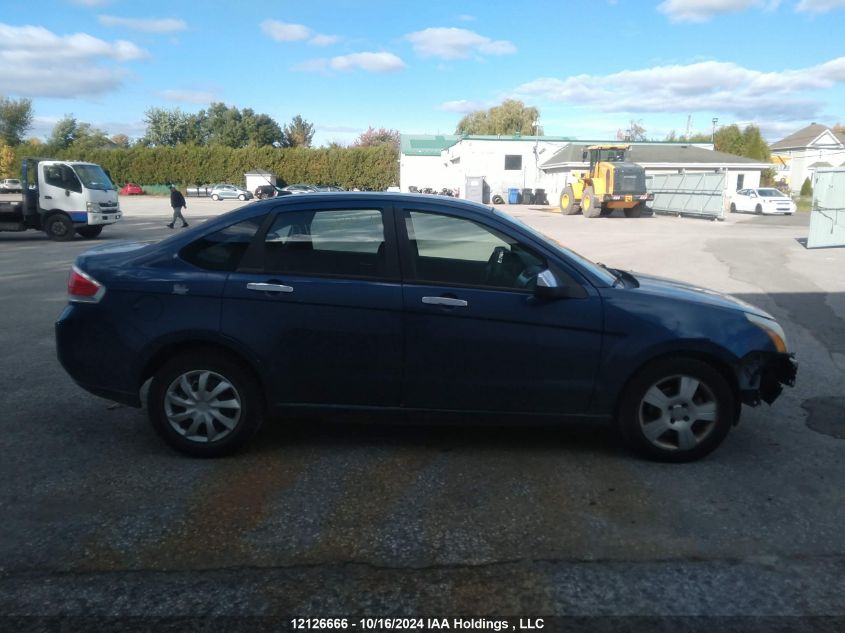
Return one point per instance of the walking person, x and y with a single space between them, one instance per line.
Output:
177 201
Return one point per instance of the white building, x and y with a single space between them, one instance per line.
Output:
810 148
258 177
547 162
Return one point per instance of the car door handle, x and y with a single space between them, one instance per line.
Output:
262 287
445 301
48 197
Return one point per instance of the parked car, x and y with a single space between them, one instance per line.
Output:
329 188
403 308
131 189
263 192
762 201
229 192
11 185
300 189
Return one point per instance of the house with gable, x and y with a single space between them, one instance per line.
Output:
801 153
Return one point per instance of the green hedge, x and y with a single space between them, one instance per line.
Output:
374 168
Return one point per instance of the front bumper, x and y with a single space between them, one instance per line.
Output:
763 375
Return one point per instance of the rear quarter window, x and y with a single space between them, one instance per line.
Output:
223 249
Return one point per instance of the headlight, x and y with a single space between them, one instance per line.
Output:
772 328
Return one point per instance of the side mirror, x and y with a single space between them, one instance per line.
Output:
548 287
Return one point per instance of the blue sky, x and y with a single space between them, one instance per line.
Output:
419 66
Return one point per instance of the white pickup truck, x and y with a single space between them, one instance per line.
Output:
62 198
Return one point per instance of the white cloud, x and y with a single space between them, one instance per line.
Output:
188 96
463 106
323 40
452 43
371 62
700 87
151 25
38 63
285 31
819 6
704 10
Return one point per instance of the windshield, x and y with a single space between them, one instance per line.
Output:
770 193
93 177
595 269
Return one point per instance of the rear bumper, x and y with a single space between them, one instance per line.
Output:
763 376
619 197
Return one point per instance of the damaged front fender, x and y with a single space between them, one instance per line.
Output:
762 376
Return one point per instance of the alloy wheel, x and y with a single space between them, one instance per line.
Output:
677 413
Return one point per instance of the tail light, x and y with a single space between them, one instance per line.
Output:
83 288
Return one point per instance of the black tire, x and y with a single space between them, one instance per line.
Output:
245 421
497 199
636 211
59 227
589 206
568 204
242 197
685 437
215 197
733 208
758 210
89 232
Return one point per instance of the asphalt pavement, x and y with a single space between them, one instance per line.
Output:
100 518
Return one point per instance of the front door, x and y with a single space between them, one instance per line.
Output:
61 190
477 337
322 307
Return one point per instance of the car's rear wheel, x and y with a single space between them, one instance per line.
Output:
204 404
676 410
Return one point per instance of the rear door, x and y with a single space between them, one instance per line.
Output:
319 300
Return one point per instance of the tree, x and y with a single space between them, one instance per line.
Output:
748 142
807 189
634 132
511 117
120 140
381 136
165 127
7 160
63 134
839 128
299 133
89 137
15 119
261 129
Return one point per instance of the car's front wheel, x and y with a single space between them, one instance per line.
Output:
215 197
733 208
242 197
204 404
676 410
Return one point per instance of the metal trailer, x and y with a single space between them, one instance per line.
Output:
827 216
693 194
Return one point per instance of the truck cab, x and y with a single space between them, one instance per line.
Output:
62 198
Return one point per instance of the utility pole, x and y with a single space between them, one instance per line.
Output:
713 135
689 124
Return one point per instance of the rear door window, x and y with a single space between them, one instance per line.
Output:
222 250
336 242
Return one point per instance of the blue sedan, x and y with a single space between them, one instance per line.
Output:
407 307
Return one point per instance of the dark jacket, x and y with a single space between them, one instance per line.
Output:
177 200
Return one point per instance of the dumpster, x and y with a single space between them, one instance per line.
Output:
513 195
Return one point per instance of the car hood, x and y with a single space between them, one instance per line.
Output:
673 289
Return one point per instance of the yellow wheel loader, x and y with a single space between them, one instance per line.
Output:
612 183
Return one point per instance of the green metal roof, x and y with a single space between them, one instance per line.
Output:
426 145
680 153
432 145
